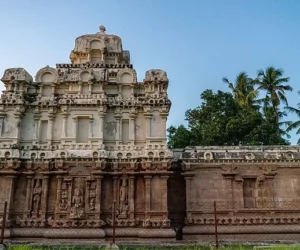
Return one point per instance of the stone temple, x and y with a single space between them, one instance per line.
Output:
85 134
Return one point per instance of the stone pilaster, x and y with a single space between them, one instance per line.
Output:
101 114
44 198
188 189
131 196
27 208
163 128
118 135
91 120
64 124
148 126
132 128
90 84
147 194
58 195
37 117
115 187
238 194
75 121
51 117
98 196
18 117
10 186
164 198
80 87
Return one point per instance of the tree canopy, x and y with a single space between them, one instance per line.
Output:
238 117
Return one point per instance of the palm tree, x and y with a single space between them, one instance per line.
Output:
295 124
271 81
243 90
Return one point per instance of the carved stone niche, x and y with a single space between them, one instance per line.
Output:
123 201
36 198
47 75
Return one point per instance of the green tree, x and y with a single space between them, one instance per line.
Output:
272 82
219 120
243 90
178 137
294 124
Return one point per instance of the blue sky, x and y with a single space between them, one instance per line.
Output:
196 41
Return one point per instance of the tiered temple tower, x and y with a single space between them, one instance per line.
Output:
81 136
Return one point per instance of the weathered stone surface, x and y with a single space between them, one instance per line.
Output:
80 137
87 135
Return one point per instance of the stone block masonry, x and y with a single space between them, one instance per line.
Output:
80 136
85 134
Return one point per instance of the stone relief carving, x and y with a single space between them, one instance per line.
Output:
123 202
37 192
18 74
77 210
92 195
64 197
156 75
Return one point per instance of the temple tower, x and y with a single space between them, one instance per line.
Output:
82 135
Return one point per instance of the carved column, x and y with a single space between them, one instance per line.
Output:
90 87
118 128
18 118
44 199
164 117
64 124
36 126
58 195
132 128
148 125
52 90
69 184
238 193
75 127
164 187
101 118
10 186
27 208
98 196
115 188
50 129
2 116
188 189
80 86
147 193
131 196
91 119
229 192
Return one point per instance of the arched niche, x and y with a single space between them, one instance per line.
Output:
126 76
95 51
85 76
95 45
47 75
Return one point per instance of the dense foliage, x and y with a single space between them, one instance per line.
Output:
238 117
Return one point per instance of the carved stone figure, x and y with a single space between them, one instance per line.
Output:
92 204
77 210
37 191
64 200
102 75
124 197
